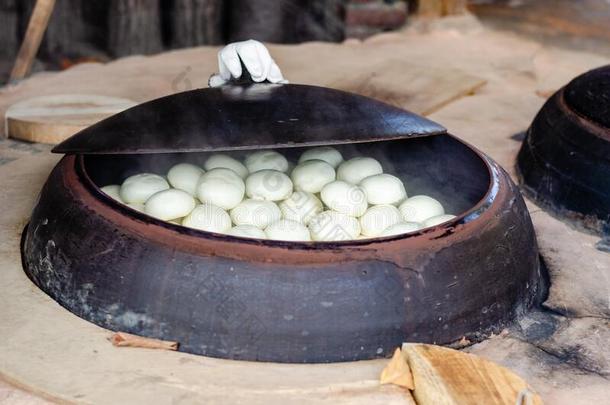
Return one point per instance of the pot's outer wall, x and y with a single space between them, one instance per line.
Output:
564 164
589 95
128 275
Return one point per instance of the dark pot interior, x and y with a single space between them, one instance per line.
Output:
438 166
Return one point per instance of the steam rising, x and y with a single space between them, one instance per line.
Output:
433 166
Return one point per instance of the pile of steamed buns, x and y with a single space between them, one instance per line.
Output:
323 198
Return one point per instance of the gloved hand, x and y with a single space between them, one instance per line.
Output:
256 59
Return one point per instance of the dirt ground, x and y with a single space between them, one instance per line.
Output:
561 348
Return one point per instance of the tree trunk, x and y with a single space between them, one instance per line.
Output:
134 27
323 21
65 32
95 20
9 41
196 22
262 20
287 21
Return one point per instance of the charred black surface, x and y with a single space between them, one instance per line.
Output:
248 117
564 162
589 95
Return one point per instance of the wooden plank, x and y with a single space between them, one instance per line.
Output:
33 36
440 8
445 376
65 34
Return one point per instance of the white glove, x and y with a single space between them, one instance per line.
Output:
256 59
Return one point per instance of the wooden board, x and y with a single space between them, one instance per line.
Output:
51 119
445 376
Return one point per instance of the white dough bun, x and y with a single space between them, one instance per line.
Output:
137 206
344 197
138 188
383 189
222 187
288 230
258 213
208 217
247 231
266 160
419 208
220 160
301 206
169 204
438 220
270 185
312 175
185 177
356 169
378 218
402 228
113 191
326 153
334 226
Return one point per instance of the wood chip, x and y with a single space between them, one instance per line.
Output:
123 339
397 372
450 377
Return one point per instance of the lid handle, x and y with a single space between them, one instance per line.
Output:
246 62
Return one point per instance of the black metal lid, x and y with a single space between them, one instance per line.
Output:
254 116
589 95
